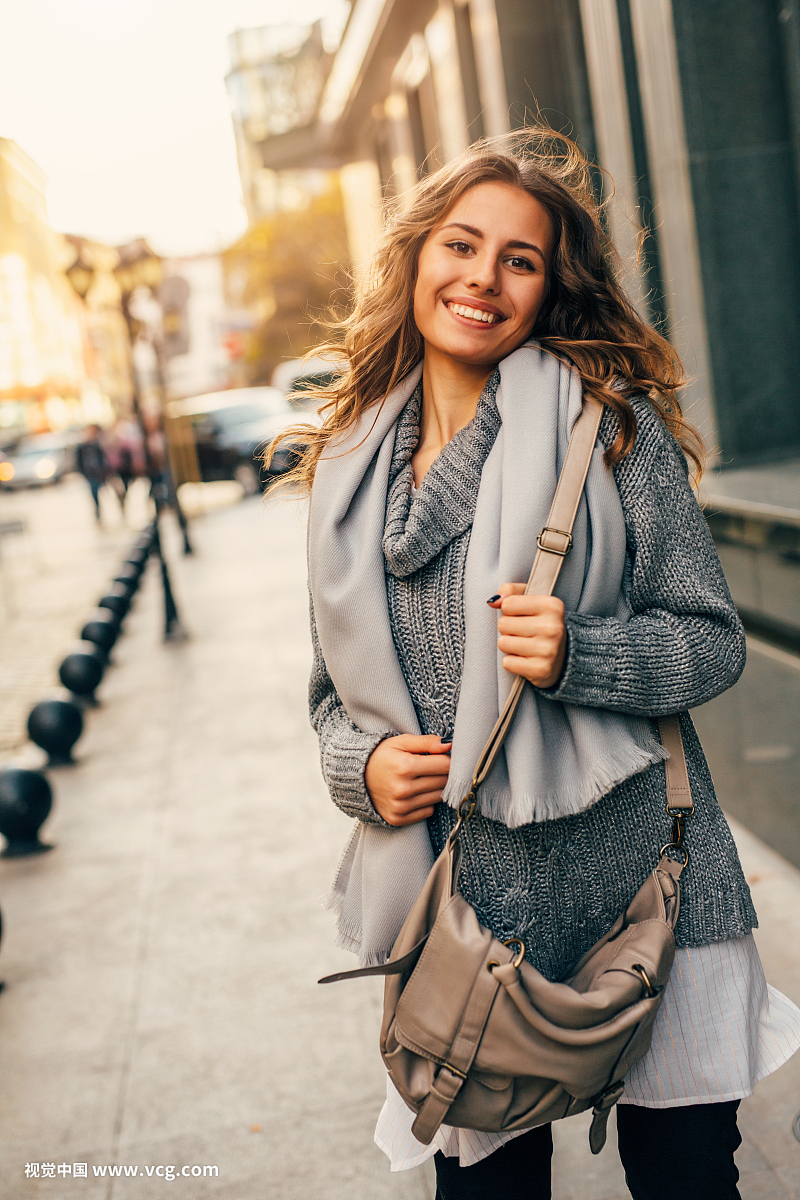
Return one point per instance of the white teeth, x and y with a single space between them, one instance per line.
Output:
474 314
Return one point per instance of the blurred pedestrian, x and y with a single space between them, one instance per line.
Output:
92 463
125 455
161 485
492 309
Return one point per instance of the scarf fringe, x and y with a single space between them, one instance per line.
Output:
525 809
349 936
333 901
499 806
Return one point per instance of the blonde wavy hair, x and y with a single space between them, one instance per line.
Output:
587 320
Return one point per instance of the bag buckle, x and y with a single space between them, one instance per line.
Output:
453 1070
518 957
466 806
650 990
561 549
677 843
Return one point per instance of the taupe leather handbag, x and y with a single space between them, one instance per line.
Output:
472 1034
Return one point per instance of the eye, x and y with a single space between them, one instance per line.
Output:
518 263
459 247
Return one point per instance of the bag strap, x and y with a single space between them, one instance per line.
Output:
554 544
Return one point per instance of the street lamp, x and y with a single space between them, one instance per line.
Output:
140 267
80 275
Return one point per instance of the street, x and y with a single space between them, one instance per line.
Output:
752 740
161 1007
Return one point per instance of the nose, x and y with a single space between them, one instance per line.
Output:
484 274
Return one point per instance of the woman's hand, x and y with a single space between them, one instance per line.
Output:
405 777
533 636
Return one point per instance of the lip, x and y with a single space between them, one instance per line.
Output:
471 302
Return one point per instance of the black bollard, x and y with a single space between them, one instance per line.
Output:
145 538
129 587
56 725
139 555
116 600
25 801
102 628
173 631
129 574
82 670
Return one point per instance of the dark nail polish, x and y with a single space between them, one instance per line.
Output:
492 599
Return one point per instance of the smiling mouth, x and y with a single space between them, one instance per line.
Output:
480 315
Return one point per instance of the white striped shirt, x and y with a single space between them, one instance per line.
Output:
720 1029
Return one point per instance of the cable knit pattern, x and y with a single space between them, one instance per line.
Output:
425 546
560 884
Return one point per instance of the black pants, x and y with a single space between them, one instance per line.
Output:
94 488
668 1154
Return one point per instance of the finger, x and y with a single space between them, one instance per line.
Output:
426 783
414 818
517 604
431 743
419 743
545 625
505 589
536 670
431 795
414 743
529 647
407 811
428 764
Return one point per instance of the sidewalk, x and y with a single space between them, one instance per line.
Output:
51 577
161 1005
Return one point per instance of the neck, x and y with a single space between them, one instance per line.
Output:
450 394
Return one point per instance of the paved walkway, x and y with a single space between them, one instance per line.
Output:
161 1009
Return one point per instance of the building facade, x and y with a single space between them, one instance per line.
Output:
41 341
201 331
692 110
107 385
275 83
64 361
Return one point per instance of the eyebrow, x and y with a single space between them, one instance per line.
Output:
512 245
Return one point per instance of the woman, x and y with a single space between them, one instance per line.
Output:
492 305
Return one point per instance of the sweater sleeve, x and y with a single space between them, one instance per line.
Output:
344 748
684 642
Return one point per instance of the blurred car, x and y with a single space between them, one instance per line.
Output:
38 460
300 375
232 429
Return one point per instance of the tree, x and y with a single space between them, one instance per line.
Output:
287 269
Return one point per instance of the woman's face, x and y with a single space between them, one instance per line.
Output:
483 274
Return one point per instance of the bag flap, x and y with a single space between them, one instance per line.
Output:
430 1011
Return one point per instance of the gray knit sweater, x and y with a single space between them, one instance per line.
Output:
559 884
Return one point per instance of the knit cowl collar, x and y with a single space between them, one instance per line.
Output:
419 526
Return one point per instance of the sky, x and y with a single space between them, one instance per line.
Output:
123 106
